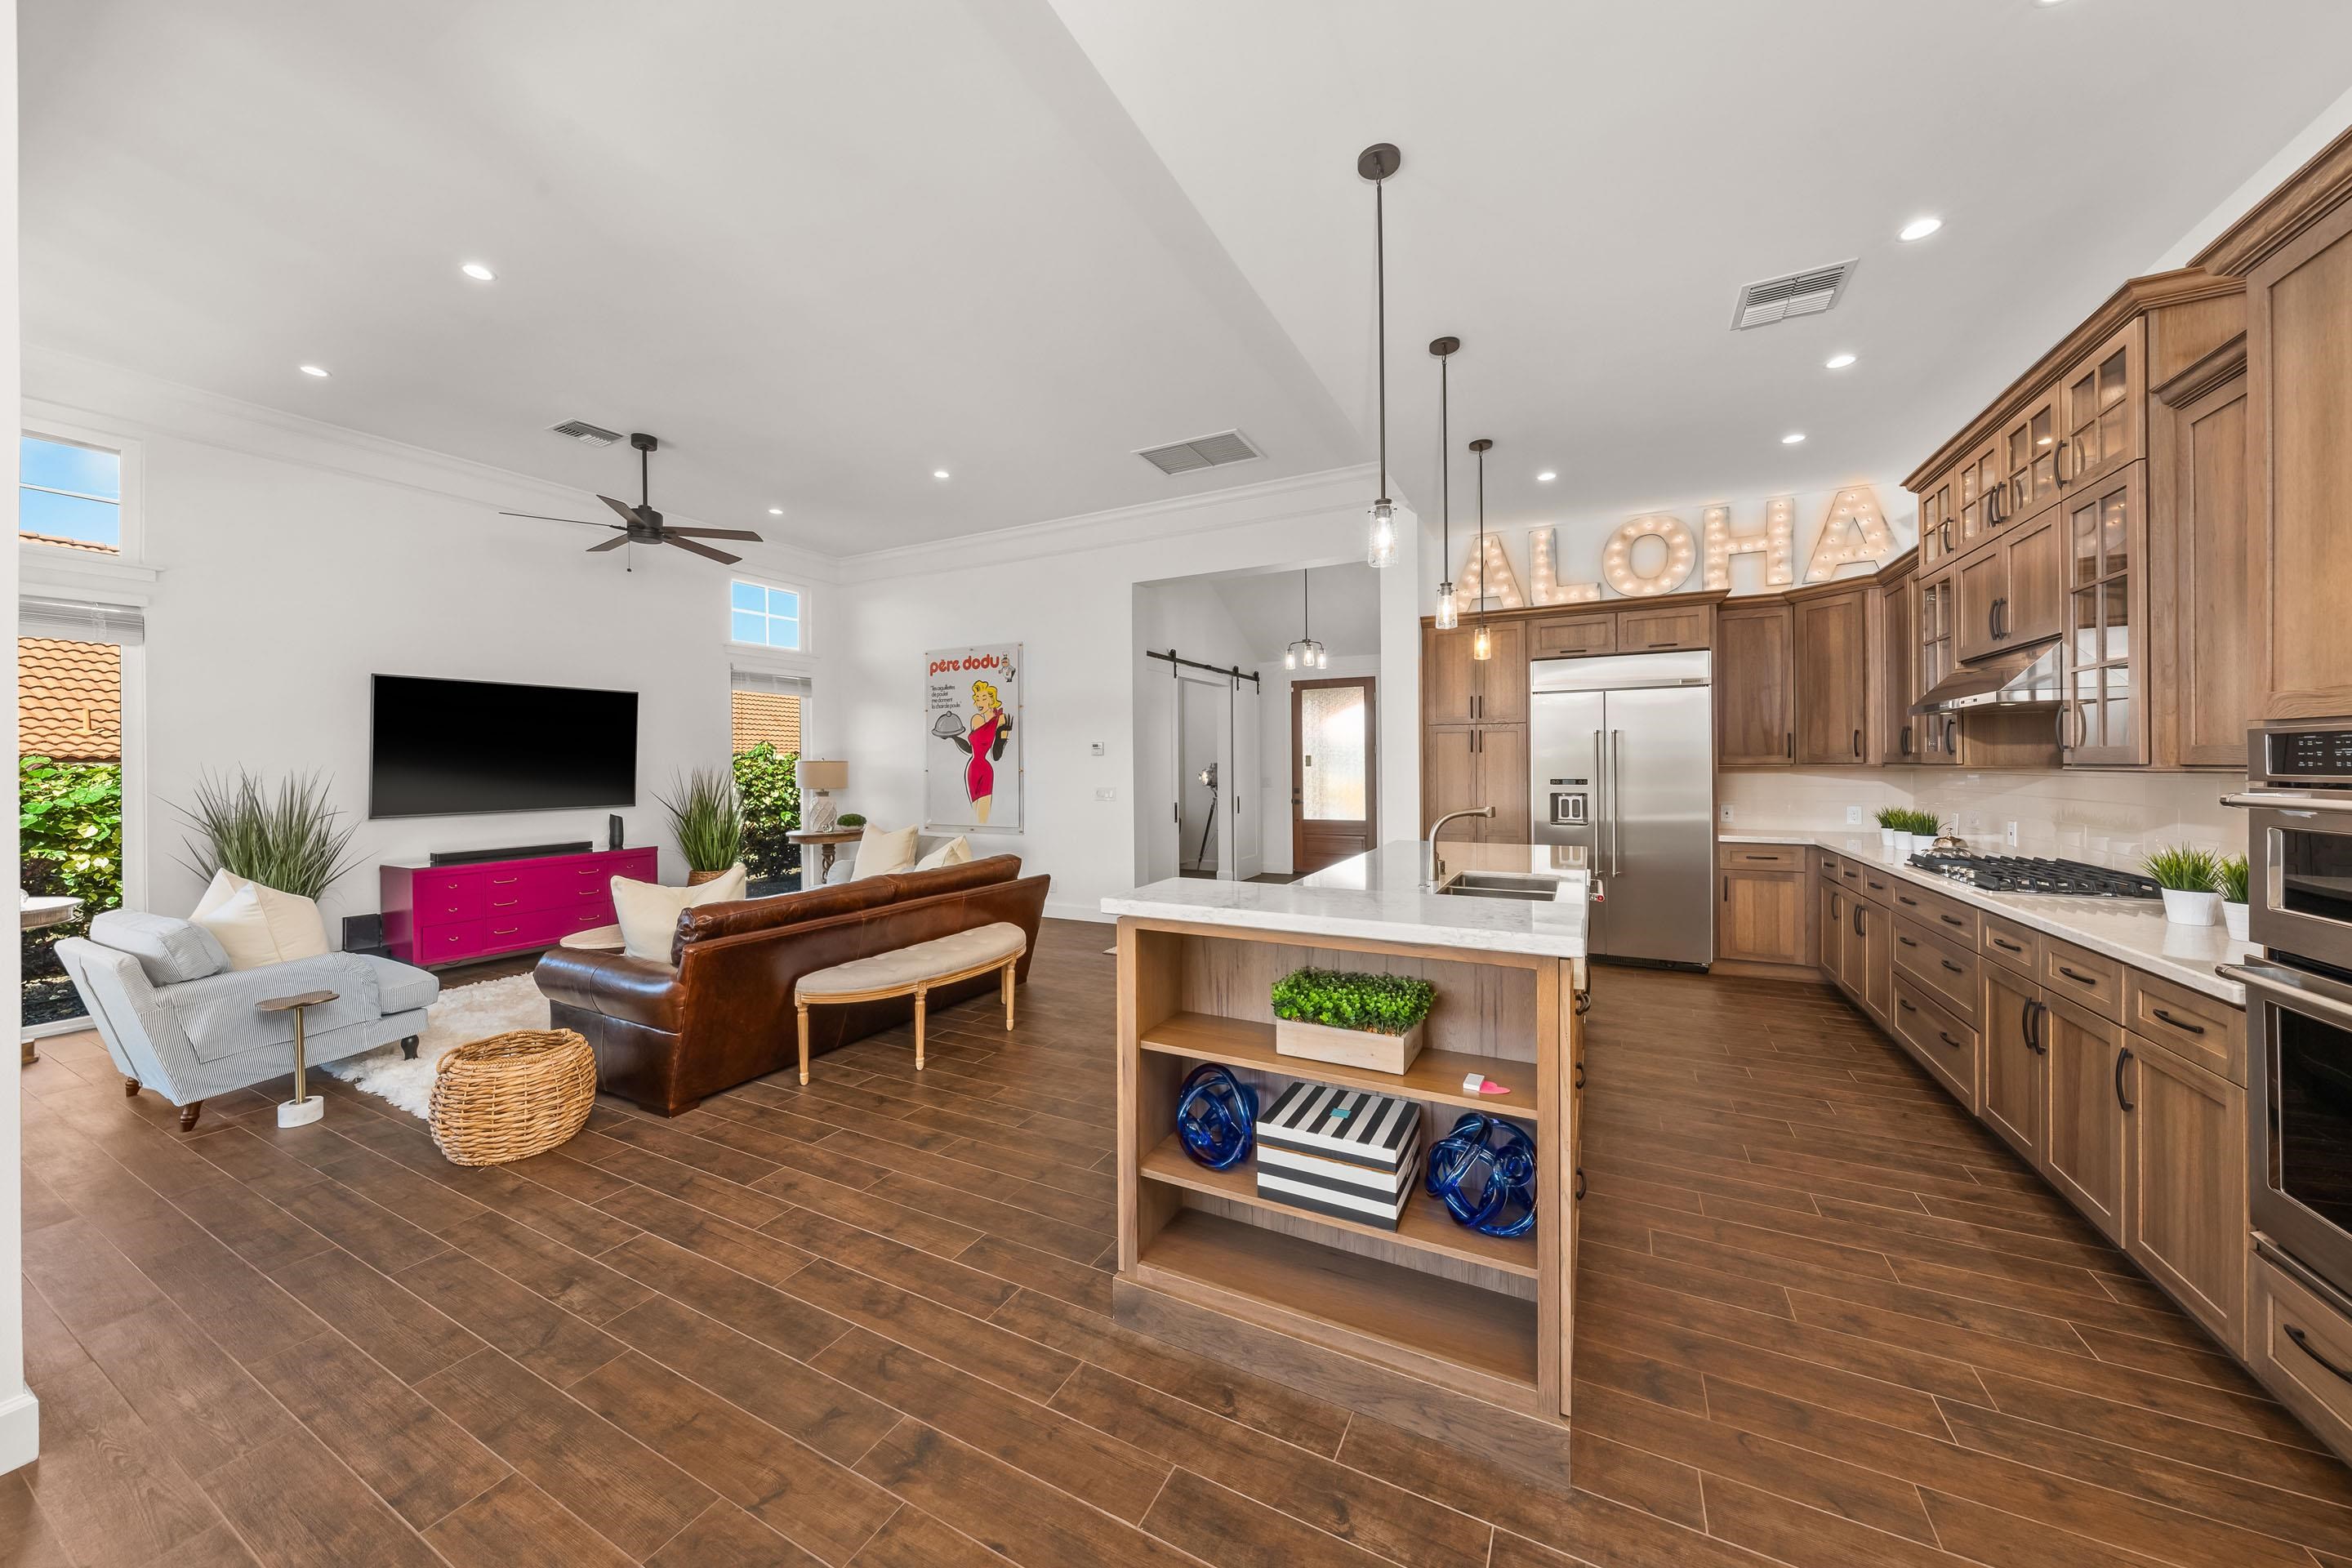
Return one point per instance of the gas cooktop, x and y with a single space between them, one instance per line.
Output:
2033 874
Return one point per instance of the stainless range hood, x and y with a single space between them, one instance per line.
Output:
2019 677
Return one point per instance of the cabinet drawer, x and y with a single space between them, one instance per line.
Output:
2016 946
444 896
2296 1343
1944 1045
1644 631
1871 883
449 943
1938 964
2083 977
1831 866
2196 1028
1761 856
1573 634
1936 913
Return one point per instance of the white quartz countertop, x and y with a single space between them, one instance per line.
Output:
1384 896
2132 930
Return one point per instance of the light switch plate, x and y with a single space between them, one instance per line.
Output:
1096 748
1108 791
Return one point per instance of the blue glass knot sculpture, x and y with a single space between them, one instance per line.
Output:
1494 1160
1216 1117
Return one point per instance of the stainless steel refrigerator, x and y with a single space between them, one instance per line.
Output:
1622 756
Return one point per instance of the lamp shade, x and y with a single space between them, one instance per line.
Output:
815 773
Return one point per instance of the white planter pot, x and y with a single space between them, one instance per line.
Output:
1347 1048
1887 842
1905 845
2191 909
2235 917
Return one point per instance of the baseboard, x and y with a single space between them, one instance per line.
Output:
1745 969
20 1431
1061 911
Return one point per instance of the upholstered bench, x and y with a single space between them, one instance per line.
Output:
914 970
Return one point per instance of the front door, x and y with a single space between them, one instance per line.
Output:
1334 769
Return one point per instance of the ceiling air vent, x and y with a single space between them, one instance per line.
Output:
1806 293
587 435
1201 452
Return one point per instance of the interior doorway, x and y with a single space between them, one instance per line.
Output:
1333 770
71 809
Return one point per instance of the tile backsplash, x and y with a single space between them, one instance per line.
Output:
2077 815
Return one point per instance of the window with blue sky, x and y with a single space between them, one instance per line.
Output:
66 492
764 617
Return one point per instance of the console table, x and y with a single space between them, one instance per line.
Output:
451 914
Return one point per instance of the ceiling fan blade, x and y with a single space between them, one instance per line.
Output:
670 536
614 542
577 522
713 534
627 511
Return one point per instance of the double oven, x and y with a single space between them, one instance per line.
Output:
2299 1006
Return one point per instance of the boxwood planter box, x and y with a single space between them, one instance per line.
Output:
1347 1048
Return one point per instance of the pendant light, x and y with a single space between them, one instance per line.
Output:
1376 163
1306 651
1448 615
1481 646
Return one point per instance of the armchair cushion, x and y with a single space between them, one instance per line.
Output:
169 951
216 1014
258 924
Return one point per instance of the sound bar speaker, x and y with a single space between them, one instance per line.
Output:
512 852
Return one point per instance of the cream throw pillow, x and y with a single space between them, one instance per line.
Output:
648 911
258 925
954 852
881 851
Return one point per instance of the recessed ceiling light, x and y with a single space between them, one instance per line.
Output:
313 370
1546 477
1920 227
1837 362
1792 437
939 473
478 272
776 512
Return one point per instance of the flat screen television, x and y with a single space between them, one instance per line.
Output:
453 748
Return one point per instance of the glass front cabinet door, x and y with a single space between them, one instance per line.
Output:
2105 720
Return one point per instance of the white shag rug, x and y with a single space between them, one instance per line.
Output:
466 1014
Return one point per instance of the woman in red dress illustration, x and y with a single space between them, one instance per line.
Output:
985 740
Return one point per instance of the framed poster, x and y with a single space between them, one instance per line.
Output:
971 739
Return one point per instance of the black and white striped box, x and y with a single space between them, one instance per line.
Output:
1345 1153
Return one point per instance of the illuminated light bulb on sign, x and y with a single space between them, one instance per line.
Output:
1617 558
1854 530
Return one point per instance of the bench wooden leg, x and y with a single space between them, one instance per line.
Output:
921 995
1007 986
803 1042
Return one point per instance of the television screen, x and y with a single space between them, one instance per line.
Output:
451 748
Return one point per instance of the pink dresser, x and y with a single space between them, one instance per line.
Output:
448 914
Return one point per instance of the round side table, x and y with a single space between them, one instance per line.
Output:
300 1110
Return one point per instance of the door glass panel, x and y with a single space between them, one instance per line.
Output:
2086 628
2315 1112
1331 752
2119 721
2118 619
2315 876
2085 545
2114 534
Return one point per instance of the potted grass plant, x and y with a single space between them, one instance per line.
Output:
292 840
708 823
2190 879
2229 872
1890 819
1356 1020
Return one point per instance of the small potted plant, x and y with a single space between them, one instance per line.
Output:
707 822
1890 822
2190 878
2230 871
1356 1020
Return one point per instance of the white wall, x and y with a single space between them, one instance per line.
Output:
295 560
1064 591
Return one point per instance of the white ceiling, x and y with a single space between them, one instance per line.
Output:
1342 609
823 249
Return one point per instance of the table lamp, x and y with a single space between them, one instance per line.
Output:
818 780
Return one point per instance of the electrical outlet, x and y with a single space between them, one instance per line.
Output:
1854 817
2009 834
1726 814
1108 791
1096 748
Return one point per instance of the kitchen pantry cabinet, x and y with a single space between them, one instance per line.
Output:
1472 765
1754 691
1833 665
1459 690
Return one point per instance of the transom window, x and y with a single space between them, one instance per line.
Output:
764 617
69 494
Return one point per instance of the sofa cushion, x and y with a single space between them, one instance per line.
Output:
400 987
268 927
881 851
709 921
980 873
954 852
647 912
168 951
902 968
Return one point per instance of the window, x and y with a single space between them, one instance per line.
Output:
764 617
70 495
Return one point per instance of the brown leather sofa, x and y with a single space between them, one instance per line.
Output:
667 1035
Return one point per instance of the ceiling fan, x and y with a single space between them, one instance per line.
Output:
642 524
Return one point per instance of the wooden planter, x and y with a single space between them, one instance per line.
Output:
1347 1048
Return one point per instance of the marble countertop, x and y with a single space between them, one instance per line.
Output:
1384 896
2132 930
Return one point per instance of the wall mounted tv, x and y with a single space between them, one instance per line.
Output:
452 748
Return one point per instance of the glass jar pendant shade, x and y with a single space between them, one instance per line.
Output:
1480 645
1376 163
1449 614
1381 544
1306 651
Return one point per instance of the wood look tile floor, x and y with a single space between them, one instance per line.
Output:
1825 1320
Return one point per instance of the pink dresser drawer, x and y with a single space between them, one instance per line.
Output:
449 943
444 896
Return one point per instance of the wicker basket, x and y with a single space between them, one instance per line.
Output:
512 1096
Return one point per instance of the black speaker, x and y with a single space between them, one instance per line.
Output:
363 934
612 831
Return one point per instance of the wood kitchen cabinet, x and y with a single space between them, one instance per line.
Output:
1755 689
1935 515
1572 636
1458 688
2084 1068
2185 1186
1653 631
2029 460
2012 1060
1976 490
1895 736
1470 765
2012 589
2104 719
2099 408
1866 957
2197 566
1829 902
1933 620
1833 677
1764 917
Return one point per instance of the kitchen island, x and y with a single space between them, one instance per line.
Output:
1455 1334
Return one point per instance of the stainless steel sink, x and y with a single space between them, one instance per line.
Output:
1503 885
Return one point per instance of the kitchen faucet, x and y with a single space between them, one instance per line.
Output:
1438 827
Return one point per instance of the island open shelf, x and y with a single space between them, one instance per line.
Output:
1473 1317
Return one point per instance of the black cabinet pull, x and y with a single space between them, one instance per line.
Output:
2025 1023
1858 919
1906 941
1668 643
1584 1003
2003 942
2180 1023
1951 737
1789 744
1580 1184
2077 979
1948 1040
1857 742
1906 1007
2042 1028
2122 1056
1951 920
1727 889
1837 906
1953 967
1579 1075
2059 462
1901 899
1906 739
2303 1343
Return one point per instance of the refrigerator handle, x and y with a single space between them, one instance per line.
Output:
1616 818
